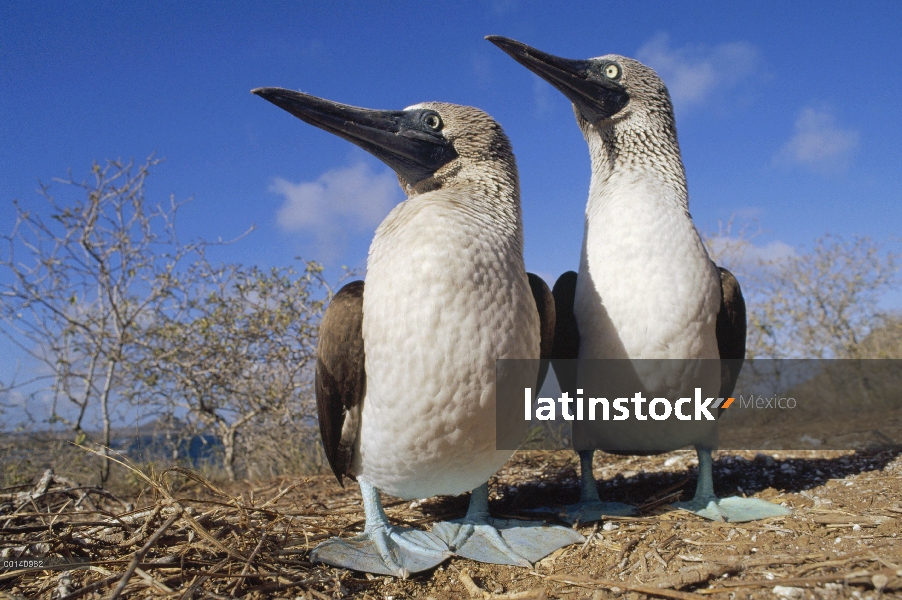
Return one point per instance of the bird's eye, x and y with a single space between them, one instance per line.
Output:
433 121
612 71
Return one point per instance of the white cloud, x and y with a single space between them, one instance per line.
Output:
12 399
482 67
502 7
695 73
771 252
340 201
818 143
738 253
543 96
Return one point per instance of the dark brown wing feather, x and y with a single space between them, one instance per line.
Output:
566 333
546 307
547 317
340 377
731 331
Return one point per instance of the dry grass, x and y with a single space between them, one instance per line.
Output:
189 538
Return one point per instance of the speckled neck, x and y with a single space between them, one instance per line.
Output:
636 150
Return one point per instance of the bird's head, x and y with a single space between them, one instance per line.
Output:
428 145
604 90
482 149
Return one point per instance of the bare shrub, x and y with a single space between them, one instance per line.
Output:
817 303
82 284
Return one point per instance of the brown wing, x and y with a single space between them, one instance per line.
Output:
566 333
547 317
731 331
341 377
546 307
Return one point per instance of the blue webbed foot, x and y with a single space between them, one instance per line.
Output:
733 509
382 548
396 551
504 541
501 541
587 512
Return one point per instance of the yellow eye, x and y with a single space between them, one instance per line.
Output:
612 71
433 121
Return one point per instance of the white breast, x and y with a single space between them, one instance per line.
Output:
646 287
445 297
647 290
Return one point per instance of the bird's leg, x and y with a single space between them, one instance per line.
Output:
733 509
382 547
480 537
590 507
478 510
704 488
588 486
372 508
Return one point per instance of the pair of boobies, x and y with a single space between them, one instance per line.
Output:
646 288
405 373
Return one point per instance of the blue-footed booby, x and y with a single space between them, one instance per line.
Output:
405 373
646 287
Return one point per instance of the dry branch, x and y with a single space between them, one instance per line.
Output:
139 555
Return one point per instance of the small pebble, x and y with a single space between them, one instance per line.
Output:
879 581
782 591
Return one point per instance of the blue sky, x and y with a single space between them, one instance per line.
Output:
788 113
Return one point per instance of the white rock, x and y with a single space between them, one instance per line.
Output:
782 591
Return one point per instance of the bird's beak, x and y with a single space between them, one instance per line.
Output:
594 96
396 138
